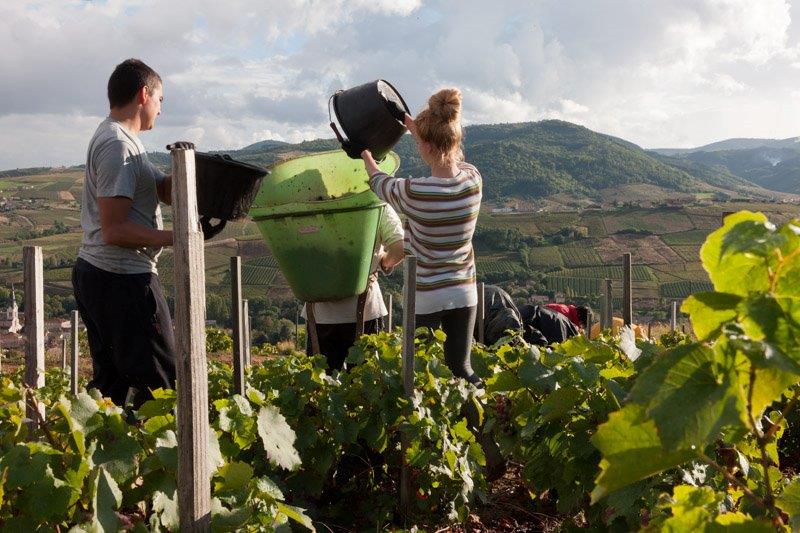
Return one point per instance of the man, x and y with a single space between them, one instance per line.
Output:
115 280
336 321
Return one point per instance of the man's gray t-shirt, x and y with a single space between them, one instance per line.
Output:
117 165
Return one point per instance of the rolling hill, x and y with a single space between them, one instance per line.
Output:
770 163
538 159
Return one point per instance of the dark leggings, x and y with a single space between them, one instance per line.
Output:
457 324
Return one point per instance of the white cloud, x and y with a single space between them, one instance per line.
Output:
666 73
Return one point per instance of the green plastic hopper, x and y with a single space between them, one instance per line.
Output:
320 220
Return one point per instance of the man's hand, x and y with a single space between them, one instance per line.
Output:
118 230
180 145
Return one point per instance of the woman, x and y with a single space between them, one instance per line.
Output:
441 211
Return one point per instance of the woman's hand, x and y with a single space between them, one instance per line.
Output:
369 163
408 122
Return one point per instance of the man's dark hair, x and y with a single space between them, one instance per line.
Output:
583 314
126 80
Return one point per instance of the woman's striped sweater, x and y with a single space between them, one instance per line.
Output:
440 214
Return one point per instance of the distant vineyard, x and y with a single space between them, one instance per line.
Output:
492 265
253 275
640 272
577 255
689 253
58 274
266 261
545 256
61 185
695 236
577 286
682 289
39 194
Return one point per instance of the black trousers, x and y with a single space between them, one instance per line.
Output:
458 325
130 332
335 340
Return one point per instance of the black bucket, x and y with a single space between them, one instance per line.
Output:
364 116
225 189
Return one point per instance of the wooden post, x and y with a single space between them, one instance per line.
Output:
34 329
194 476
311 329
608 313
589 325
73 359
673 316
246 331
63 353
389 324
238 325
297 326
409 325
481 310
627 290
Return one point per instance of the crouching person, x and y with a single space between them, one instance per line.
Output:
115 280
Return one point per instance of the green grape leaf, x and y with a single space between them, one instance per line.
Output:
165 510
789 502
268 487
691 392
215 459
297 514
559 402
277 438
235 475
503 381
167 450
690 520
752 237
709 311
118 456
763 319
106 499
688 497
224 519
631 450
738 523
83 408
735 273
536 376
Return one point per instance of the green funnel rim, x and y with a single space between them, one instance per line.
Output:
393 155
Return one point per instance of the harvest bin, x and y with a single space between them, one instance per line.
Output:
320 220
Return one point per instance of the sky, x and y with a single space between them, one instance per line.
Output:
660 73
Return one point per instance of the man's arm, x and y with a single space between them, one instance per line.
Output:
164 189
117 230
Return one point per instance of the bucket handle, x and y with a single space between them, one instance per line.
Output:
353 151
330 118
210 230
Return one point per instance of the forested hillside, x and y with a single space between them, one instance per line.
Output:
539 159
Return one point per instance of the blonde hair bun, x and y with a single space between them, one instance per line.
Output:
445 104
